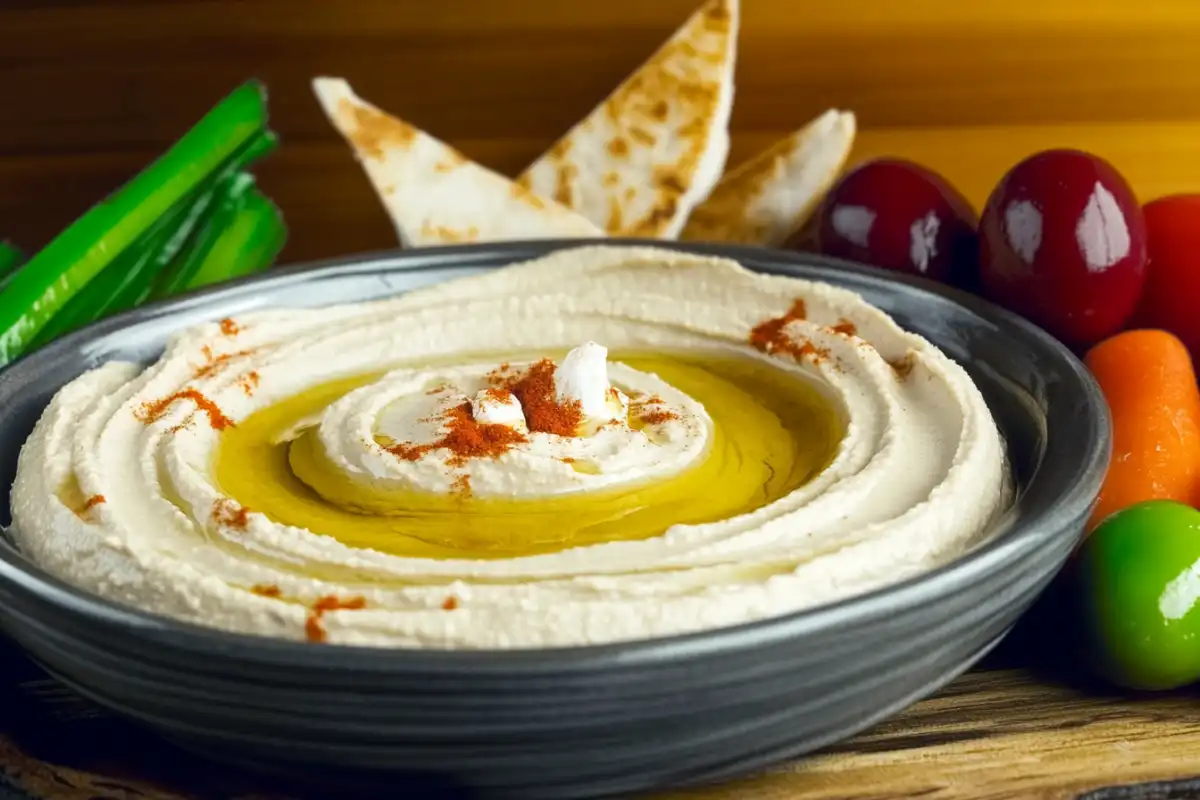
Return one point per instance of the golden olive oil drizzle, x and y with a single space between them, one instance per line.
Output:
773 431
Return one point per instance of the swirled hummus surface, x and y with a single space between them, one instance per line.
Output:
603 444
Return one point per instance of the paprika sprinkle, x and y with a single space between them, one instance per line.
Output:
228 513
214 364
768 335
249 382
464 438
646 412
498 395
536 390
314 631
229 327
461 486
810 350
656 416
467 438
845 326
88 505
152 412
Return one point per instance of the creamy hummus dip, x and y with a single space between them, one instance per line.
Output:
603 444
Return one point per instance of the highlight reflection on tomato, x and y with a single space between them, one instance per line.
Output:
1063 242
899 215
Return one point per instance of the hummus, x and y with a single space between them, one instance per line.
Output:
603 444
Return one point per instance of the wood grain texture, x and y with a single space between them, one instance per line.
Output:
995 735
94 90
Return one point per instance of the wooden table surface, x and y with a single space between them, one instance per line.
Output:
92 91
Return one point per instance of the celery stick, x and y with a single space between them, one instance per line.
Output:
57 273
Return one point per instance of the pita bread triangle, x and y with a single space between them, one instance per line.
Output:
769 197
433 193
654 149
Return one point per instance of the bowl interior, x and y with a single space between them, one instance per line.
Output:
1049 409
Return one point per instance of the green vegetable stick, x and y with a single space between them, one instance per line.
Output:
175 278
261 145
250 243
127 281
131 271
56 273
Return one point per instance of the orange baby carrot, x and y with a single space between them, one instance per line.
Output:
1150 384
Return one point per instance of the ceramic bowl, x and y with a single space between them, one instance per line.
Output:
589 721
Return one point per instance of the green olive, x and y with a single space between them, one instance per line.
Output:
1138 578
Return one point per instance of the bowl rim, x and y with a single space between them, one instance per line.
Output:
1023 537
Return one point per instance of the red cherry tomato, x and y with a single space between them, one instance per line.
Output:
898 215
1171 296
1063 242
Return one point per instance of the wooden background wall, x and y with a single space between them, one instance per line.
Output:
92 91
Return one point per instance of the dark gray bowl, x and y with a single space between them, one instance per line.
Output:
586 721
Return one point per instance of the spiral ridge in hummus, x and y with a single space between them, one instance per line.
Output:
116 489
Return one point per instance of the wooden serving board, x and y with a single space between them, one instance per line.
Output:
997 732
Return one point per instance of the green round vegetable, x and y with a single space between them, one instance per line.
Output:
1138 578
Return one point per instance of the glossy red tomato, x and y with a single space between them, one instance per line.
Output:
1063 242
899 215
1171 296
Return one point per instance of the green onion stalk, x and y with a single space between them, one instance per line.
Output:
194 213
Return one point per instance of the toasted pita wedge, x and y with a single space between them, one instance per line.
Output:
433 193
647 155
769 197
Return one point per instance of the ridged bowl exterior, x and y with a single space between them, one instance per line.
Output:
579 722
